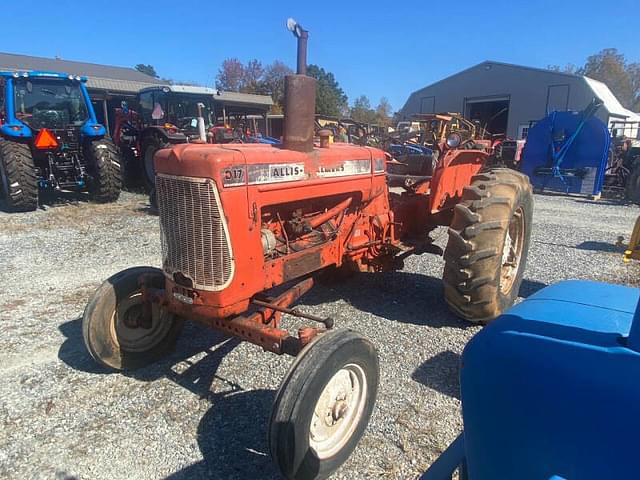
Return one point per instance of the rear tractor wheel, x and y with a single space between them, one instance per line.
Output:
18 182
324 404
113 327
488 244
105 166
632 186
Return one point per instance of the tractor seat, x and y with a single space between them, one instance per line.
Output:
410 169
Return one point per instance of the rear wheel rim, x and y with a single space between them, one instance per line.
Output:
138 339
512 251
338 411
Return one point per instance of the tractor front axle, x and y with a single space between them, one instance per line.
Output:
259 326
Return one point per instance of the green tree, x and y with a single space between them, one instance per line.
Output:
146 69
384 112
610 67
252 76
273 84
362 111
230 75
330 98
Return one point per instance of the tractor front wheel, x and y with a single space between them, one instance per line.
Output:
104 165
149 150
324 404
488 244
18 182
113 328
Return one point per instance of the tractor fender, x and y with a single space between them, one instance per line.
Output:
452 174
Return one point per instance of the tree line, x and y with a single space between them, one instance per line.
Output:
612 68
331 100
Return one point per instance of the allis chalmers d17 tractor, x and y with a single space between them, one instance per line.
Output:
50 140
168 115
244 227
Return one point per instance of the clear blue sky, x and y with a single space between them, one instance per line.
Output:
373 48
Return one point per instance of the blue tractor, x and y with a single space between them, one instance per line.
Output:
50 140
549 389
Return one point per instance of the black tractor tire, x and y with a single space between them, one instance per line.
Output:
632 186
302 442
18 179
105 168
113 343
479 282
149 149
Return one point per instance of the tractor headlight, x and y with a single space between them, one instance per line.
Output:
70 77
454 140
78 78
16 74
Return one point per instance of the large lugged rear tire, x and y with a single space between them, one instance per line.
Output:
632 187
18 182
103 161
488 245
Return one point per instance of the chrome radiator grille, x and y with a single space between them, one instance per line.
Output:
193 231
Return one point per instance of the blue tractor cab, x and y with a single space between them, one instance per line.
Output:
50 139
549 389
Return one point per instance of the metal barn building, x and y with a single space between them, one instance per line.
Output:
509 98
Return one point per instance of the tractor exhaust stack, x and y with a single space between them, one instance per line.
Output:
300 98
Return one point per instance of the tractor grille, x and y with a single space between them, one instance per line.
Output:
193 231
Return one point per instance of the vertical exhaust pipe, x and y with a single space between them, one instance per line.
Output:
300 98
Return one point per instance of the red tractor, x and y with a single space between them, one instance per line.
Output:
246 227
168 115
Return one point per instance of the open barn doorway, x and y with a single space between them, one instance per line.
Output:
492 113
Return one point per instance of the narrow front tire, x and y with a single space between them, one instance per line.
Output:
324 405
112 328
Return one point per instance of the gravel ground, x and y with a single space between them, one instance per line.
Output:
202 413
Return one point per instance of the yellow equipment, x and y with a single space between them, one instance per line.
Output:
633 250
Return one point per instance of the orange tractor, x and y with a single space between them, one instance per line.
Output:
245 228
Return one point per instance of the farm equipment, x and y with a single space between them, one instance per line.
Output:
547 389
417 151
168 115
246 227
50 140
632 250
568 152
623 168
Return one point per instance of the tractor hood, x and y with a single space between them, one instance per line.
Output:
233 165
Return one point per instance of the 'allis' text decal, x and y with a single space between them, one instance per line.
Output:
287 172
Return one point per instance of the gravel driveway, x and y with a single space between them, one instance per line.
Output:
202 413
